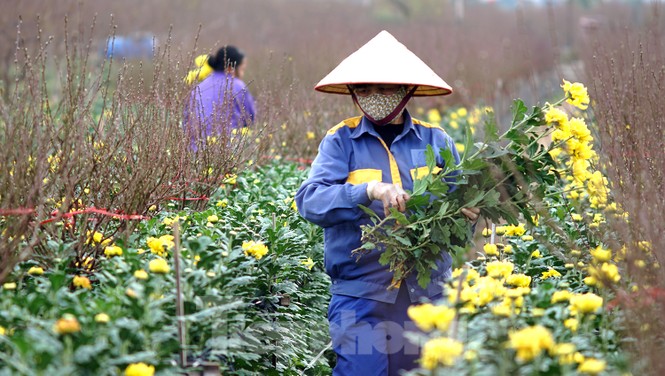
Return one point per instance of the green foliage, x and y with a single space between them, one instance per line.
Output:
249 315
502 177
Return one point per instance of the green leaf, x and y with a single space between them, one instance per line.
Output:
519 111
430 158
424 279
368 211
491 130
368 245
491 198
448 158
443 209
473 165
478 197
399 217
518 137
419 187
417 201
439 189
440 233
404 241
386 256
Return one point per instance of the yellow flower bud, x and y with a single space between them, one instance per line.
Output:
68 324
102 318
36 270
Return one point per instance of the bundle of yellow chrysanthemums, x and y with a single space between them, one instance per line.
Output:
201 71
576 149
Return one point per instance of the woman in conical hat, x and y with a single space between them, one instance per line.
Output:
372 160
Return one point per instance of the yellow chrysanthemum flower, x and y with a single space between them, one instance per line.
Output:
201 72
530 342
555 116
577 94
433 116
159 266
491 249
519 280
561 296
82 282
161 245
141 274
571 324
600 254
512 230
504 310
565 352
579 130
579 149
471 274
68 324
585 303
499 269
230 179
112 251
555 153
169 221
591 366
139 369
427 316
95 236
484 291
606 272
440 351
256 249
550 273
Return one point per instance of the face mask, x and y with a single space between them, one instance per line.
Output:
378 106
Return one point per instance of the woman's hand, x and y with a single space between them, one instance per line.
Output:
391 195
471 213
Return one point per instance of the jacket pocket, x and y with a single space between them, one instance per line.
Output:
364 175
421 172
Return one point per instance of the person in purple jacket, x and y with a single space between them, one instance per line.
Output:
373 160
221 102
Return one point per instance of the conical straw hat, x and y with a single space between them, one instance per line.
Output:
384 60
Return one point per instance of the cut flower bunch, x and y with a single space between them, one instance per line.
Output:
504 176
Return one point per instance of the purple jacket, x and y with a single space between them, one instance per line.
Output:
220 102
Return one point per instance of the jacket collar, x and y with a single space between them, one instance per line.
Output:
367 126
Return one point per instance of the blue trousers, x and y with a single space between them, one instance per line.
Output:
367 336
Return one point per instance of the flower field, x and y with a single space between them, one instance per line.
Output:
537 299
123 252
254 293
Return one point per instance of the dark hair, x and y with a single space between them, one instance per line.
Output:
227 56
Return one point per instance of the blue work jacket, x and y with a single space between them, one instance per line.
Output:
350 155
